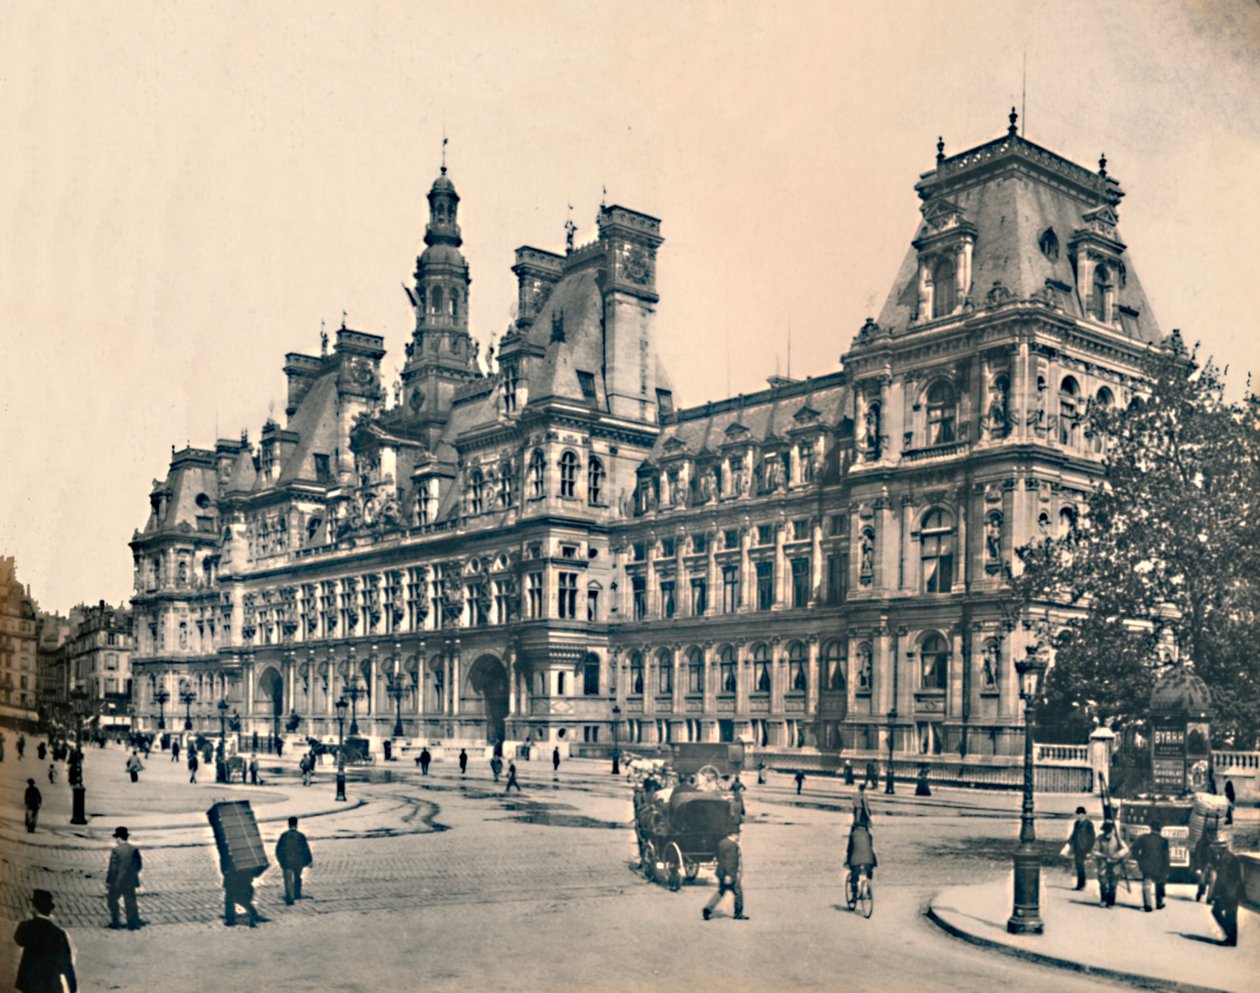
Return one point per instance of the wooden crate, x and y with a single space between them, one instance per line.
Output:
236 836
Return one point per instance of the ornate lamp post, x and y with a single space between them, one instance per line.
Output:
161 696
1026 916
353 690
889 787
220 756
396 690
186 697
78 814
616 765
341 750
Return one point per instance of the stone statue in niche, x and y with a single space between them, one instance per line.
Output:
871 431
989 665
774 474
708 486
867 571
999 409
993 536
864 667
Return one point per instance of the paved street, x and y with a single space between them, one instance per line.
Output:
444 882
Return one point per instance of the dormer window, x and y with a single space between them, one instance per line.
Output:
505 484
944 288
1100 300
594 482
476 492
509 388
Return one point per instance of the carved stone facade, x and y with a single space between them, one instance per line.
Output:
509 549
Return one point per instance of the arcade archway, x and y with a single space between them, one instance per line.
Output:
486 694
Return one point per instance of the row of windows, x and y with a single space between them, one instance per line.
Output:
495 488
798 593
759 660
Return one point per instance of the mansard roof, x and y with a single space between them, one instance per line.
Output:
191 476
1011 192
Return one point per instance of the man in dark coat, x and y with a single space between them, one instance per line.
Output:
1227 890
21 746
34 800
293 854
193 764
122 879
1151 852
729 872
1081 842
174 751
511 780
800 781
872 776
46 957
555 759
463 761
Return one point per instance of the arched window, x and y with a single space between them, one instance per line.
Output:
1101 302
476 492
505 484
594 482
944 291
796 668
435 300
761 668
1104 400
1069 410
934 662
510 380
1067 520
455 305
936 551
695 670
942 412
568 474
833 666
636 673
726 669
537 474
590 676
664 671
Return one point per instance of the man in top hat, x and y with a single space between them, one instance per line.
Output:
122 879
1080 844
46 956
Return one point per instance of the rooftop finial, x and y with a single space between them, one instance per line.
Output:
323 338
603 200
343 320
940 149
1102 165
444 143
570 229
1014 118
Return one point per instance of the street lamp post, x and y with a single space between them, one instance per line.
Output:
890 787
353 690
220 762
341 749
78 790
1026 915
396 689
237 724
186 697
616 765
161 696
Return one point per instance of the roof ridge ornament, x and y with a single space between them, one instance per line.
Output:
940 148
1102 165
1014 118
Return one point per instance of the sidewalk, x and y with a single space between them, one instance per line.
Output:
1174 949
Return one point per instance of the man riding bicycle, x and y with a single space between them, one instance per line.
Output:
860 856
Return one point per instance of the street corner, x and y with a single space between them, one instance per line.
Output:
1178 947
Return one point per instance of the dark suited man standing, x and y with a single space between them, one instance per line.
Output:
122 879
46 956
1081 842
34 800
293 854
1151 852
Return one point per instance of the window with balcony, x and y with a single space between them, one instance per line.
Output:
942 413
800 582
936 555
726 670
761 668
933 662
765 585
695 671
730 589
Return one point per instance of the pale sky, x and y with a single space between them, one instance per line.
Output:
188 189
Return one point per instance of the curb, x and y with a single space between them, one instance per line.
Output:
1132 978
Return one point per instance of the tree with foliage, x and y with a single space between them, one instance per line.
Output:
1163 564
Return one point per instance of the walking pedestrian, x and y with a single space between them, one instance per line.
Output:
1226 893
729 872
293 854
1111 852
134 766
463 761
511 780
43 751
1201 863
1080 843
800 781
21 746
52 773
238 890
872 776
279 747
122 879
1230 795
193 763
175 751
305 764
921 787
496 766
47 964
34 800
1151 853
555 759
423 760
253 770
761 773
848 773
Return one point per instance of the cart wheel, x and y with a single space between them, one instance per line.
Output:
674 866
693 870
649 862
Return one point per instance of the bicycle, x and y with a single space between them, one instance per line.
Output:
860 895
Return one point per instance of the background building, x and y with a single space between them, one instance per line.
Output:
18 646
508 549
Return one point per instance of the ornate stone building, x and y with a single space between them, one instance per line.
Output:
510 551
18 646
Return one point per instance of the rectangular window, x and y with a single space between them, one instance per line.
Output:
568 551
665 403
502 606
835 580
699 544
800 530
322 472
590 679
477 604
509 389
534 591
586 380
667 548
765 585
667 599
568 595
800 582
639 551
765 534
730 589
665 678
639 586
695 677
699 596
730 539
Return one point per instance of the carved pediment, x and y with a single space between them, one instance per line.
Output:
1102 219
940 214
806 415
736 432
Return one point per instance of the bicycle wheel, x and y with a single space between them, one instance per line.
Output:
850 893
866 897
